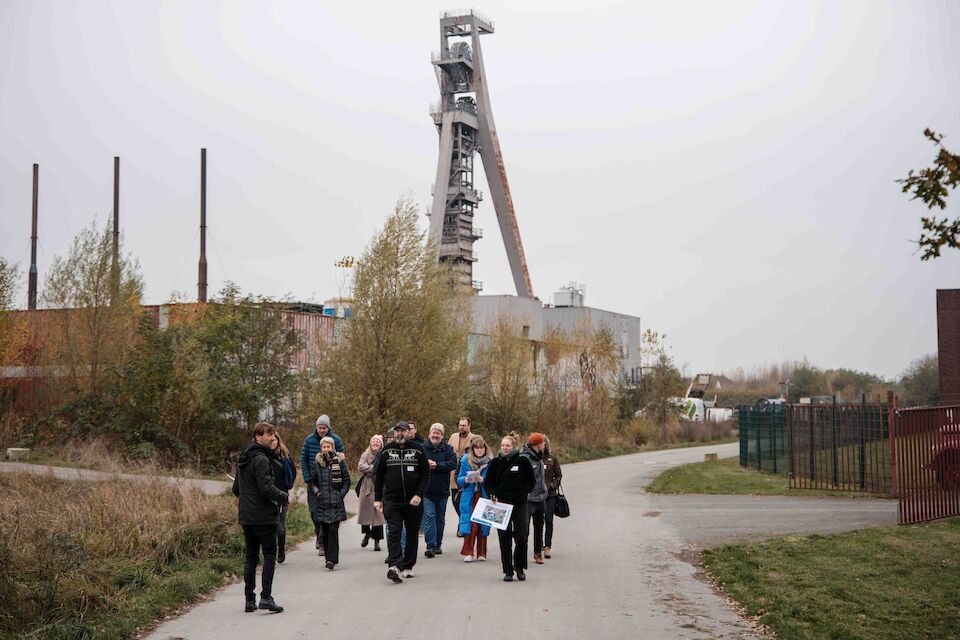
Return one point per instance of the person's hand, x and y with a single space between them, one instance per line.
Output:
379 507
494 500
415 501
432 464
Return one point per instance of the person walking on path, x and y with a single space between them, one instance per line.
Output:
552 475
329 485
369 519
308 453
442 461
284 475
415 437
257 512
400 479
537 498
473 470
510 479
460 442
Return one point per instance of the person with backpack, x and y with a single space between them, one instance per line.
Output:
284 476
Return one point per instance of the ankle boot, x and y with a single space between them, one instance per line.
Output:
376 545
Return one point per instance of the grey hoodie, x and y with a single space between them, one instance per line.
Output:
539 491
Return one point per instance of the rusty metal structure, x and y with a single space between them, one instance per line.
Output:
464 121
948 345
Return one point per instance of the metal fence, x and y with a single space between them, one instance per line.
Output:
927 462
763 440
839 447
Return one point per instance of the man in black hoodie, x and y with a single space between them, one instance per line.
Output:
399 481
510 479
258 512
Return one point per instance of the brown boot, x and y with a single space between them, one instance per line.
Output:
538 558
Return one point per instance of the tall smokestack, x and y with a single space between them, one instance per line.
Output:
115 265
32 278
202 280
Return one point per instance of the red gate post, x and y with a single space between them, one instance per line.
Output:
892 407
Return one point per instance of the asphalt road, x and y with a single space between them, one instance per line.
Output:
620 570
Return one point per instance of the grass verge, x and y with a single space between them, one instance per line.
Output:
726 476
86 560
892 582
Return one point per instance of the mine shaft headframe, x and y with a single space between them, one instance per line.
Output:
461 22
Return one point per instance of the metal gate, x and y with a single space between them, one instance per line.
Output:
839 447
926 458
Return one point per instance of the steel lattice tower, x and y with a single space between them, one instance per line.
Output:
465 124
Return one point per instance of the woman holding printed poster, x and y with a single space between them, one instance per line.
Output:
509 479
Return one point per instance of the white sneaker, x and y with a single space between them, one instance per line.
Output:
481 558
408 574
468 558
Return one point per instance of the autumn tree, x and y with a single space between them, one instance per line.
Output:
933 185
95 327
402 354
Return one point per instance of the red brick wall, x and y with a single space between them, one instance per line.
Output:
948 342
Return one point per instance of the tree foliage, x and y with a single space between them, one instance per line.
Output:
9 276
96 324
402 354
920 383
933 185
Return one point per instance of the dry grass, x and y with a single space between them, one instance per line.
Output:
99 559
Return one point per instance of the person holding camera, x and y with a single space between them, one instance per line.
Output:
400 479
258 511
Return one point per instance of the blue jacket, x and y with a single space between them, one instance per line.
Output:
311 447
443 454
466 496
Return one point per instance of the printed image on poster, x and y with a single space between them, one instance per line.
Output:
493 515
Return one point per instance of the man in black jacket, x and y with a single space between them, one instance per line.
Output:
399 481
509 479
258 513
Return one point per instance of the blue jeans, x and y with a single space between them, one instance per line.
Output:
434 514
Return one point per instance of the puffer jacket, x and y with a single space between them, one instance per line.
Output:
539 491
466 496
254 484
329 506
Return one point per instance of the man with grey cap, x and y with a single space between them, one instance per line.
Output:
308 453
400 479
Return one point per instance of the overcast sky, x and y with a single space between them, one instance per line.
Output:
724 170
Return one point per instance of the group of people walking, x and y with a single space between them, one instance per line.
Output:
405 482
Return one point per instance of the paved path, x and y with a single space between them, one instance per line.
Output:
618 570
209 487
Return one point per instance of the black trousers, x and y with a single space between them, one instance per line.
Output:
455 498
375 531
536 510
330 537
548 512
515 534
400 516
257 537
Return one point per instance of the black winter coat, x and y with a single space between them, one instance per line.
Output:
329 507
509 478
401 473
446 458
260 499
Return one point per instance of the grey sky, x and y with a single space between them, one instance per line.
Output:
722 169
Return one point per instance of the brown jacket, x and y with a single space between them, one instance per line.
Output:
551 473
459 447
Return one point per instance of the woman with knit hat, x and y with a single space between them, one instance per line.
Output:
473 470
329 484
369 519
537 498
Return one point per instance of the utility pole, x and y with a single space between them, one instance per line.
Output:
32 278
115 265
202 280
